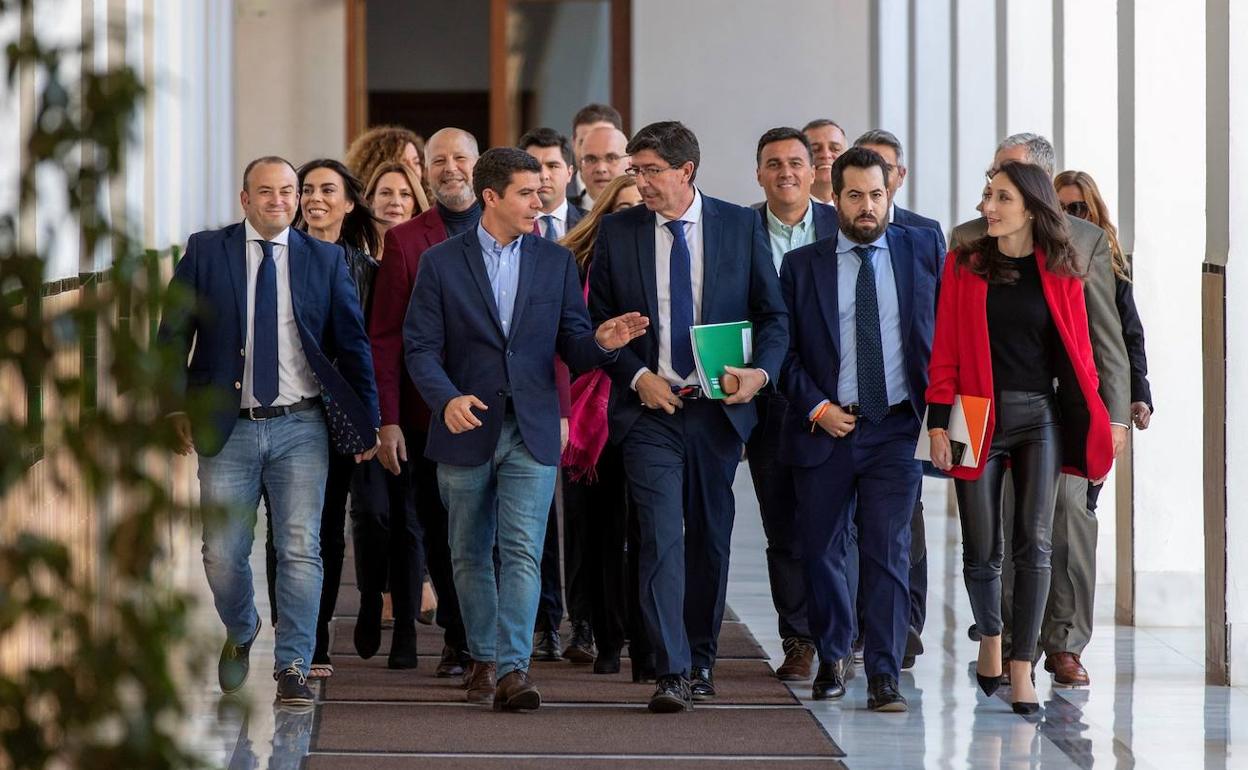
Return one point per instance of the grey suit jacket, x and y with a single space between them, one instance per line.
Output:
1104 324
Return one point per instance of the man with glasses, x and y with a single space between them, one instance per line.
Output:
603 158
683 259
1068 616
588 118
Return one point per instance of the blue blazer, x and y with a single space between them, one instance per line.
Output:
808 280
824 219
327 312
575 215
738 284
454 345
908 218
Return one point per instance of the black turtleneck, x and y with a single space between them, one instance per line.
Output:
457 222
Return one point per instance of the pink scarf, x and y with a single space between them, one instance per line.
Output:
587 424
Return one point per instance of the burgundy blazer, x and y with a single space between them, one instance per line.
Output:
400 403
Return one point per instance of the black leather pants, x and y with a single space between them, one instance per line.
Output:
1028 436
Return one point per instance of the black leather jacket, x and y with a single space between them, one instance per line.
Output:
363 268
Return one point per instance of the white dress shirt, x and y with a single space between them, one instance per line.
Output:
295 381
663 281
560 215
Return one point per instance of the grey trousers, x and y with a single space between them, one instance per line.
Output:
1067 623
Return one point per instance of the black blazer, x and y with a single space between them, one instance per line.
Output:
739 283
1133 338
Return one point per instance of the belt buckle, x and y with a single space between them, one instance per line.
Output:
251 414
688 391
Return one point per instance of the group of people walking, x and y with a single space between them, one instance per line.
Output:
438 338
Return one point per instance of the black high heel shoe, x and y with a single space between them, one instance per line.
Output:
988 684
1025 708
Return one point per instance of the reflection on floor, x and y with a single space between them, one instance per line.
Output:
1148 706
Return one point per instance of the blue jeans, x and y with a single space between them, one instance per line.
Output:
507 499
287 457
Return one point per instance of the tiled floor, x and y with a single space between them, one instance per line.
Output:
1148 706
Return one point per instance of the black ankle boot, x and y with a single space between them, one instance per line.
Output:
403 647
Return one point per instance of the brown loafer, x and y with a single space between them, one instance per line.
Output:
480 684
799 659
1066 669
516 692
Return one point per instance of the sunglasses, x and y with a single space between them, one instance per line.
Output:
1077 209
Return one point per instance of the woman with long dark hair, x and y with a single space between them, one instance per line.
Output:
595 496
1011 320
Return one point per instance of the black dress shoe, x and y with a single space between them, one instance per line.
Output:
671 695
829 681
643 669
292 689
450 664
883 695
368 625
914 648
403 646
607 662
580 647
546 646
702 683
235 663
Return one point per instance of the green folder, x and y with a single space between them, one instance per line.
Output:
718 345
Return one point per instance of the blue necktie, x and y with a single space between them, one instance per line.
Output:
264 330
680 282
872 389
548 227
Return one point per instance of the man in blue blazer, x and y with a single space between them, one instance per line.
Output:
273 308
862 310
683 259
490 310
792 218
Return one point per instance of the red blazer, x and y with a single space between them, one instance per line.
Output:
401 404
961 364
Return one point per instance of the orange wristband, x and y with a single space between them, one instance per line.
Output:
819 413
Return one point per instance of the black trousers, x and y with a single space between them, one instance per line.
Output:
550 602
777 504
1028 435
333 549
595 530
389 542
433 520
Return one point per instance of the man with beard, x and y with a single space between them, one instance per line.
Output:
862 308
449 158
827 142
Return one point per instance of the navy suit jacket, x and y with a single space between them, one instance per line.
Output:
739 283
908 218
327 312
811 370
453 344
575 215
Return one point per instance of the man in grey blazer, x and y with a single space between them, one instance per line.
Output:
1068 616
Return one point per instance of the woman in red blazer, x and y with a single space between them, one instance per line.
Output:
1011 321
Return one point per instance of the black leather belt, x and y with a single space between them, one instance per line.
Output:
269 412
899 408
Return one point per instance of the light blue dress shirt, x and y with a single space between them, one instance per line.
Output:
847 266
502 265
784 238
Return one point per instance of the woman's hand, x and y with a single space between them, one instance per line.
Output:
942 452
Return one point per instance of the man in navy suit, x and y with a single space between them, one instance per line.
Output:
490 310
862 309
683 259
785 171
273 308
889 148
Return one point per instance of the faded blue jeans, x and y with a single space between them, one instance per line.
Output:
507 498
288 457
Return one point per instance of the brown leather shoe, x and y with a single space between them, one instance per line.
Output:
480 684
1066 669
516 692
799 659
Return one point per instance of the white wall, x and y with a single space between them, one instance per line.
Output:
730 71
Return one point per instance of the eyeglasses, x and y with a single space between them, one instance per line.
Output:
1077 209
646 172
594 160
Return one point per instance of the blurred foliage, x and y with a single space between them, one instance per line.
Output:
104 632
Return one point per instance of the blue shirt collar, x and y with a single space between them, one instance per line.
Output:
490 245
846 246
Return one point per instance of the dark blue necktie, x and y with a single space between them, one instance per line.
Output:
680 282
264 330
548 227
872 390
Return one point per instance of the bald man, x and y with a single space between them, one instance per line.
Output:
450 155
603 158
